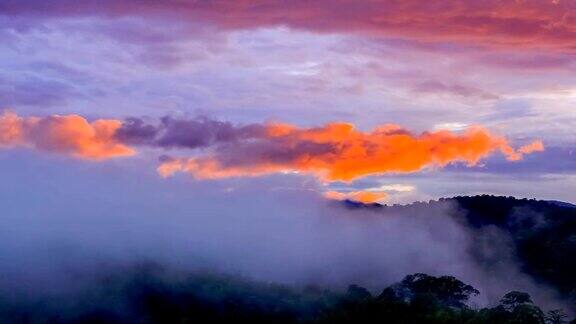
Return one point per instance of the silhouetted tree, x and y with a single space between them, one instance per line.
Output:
356 292
556 316
527 314
447 289
514 299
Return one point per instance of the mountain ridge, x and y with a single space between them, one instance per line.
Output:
542 232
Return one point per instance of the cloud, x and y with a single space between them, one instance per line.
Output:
363 196
397 187
536 146
333 152
433 86
28 90
339 152
72 135
492 23
559 161
556 62
185 133
258 231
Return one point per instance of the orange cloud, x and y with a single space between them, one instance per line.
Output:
334 152
339 152
536 146
366 197
70 134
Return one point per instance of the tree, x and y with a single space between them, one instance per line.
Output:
447 289
514 299
356 292
556 316
388 294
528 314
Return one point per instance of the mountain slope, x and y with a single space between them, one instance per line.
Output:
543 232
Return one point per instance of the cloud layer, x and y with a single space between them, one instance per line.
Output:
494 23
71 135
339 152
333 152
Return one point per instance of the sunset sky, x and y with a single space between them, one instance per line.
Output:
388 101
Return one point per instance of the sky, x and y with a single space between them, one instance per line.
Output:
376 101
217 134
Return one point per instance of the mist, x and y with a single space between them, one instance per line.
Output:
57 237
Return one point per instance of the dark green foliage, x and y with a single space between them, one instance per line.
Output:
556 316
527 314
358 293
514 299
421 298
446 290
543 233
149 295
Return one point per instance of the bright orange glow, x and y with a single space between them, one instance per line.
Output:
211 169
349 154
334 152
71 134
366 197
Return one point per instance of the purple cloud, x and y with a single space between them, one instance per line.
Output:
186 133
